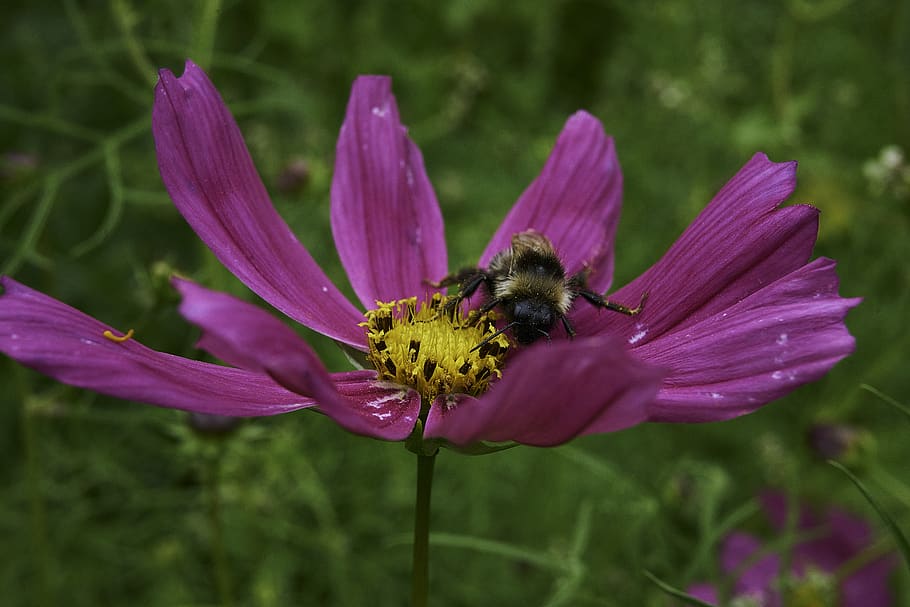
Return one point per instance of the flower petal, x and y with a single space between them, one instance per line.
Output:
868 586
377 409
248 336
57 340
759 577
575 201
210 176
789 333
739 243
704 592
845 537
385 219
840 535
551 393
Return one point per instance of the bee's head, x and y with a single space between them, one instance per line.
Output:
531 319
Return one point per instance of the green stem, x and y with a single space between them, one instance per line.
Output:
205 33
219 555
37 510
420 572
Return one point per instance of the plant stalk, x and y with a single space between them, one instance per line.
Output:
420 571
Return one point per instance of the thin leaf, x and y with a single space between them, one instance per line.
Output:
568 585
896 532
115 207
900 407
543 560
26 245
675 592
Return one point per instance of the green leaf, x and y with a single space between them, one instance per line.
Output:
896 532
900 407
675 592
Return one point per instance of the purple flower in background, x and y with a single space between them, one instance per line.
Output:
736 317
825 570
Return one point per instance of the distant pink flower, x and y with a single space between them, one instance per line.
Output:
736 317
812 580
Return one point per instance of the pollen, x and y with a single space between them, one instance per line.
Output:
434 349
118 339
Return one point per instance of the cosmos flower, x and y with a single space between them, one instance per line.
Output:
736 317
828 568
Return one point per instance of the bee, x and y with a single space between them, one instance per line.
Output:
528 283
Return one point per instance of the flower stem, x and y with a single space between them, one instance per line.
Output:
222 572
37 510
420 571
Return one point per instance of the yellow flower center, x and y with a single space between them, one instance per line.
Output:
433 349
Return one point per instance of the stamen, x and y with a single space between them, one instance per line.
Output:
118 339
433 348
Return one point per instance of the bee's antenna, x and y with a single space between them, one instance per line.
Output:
487 340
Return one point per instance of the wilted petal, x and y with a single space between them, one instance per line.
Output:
575 201
785 335
209 174
741 242
57 340
246 335
385 219
551 393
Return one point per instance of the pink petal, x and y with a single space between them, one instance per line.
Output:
777 509
377 409
741 242
57 340
704 592
868 586
209 174
551 393
787 334
759 577
845 537
385 219
737 548
247 335
241 333
575 201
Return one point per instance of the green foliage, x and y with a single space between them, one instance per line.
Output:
112 503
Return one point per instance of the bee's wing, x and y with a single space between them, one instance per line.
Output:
531 240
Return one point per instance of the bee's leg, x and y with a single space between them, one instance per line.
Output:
456 278
470 284
599 301
490 305
579 285
567 326
469 280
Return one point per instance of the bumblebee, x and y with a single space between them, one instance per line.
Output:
528 284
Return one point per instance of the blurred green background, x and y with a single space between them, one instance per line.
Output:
112 503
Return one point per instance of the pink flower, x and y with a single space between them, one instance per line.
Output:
837 539
737 316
